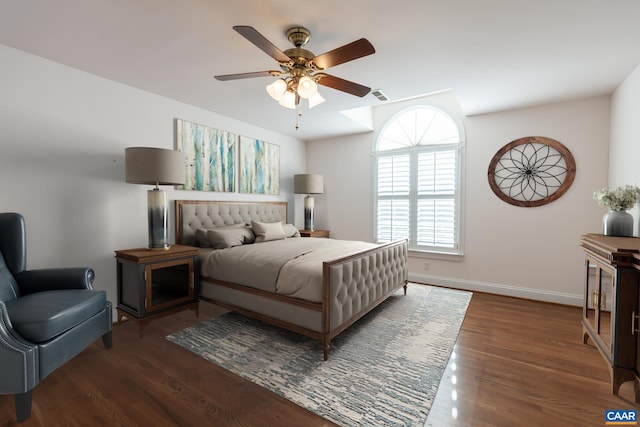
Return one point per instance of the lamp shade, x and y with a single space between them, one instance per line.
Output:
288 100
154 166
276 89
307 87
308 184
316 99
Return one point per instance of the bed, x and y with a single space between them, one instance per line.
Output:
345 282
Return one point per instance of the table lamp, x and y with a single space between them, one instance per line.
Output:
155 166
308 184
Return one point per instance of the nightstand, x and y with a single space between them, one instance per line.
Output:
155 283
314 233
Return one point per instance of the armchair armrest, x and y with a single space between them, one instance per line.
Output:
49 279
18 358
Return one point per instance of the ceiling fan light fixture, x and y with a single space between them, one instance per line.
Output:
316 99
307 87
277 89
288 100
301 69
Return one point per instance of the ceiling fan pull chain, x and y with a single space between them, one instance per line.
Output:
298 114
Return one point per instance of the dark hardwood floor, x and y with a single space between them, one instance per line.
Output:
516 363
522 363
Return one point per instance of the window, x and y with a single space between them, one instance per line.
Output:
417 168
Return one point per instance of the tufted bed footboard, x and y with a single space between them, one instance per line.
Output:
351 286
355 285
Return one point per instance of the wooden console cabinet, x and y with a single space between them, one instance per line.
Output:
611 305
156 283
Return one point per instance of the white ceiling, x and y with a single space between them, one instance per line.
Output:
494 54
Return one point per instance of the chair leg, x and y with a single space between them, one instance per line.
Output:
107 340
23 405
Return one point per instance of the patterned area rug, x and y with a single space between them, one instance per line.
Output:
382 371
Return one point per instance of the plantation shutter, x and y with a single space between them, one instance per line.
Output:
393 210
436 209
418 179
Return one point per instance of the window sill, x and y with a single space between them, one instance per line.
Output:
444 256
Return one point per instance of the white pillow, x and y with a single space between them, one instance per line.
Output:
266 231
290 230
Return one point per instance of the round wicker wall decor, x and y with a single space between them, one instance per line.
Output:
531 171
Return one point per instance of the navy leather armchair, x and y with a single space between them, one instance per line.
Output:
47 316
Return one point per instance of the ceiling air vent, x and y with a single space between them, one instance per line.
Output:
381 96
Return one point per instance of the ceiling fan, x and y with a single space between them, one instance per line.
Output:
300 70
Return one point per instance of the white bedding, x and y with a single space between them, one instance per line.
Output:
291 267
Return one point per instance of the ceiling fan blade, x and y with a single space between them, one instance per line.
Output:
238 76
346 53
262 43
343 85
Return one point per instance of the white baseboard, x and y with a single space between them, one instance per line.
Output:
499 289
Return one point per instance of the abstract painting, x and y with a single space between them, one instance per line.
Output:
259 167
210 156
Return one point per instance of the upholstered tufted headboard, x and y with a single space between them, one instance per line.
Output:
194 214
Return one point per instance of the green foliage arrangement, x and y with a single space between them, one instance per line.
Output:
620 199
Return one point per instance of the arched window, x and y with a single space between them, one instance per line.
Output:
417 165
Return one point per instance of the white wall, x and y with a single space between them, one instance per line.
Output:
63 134
525 252
624 152
62 138
346 205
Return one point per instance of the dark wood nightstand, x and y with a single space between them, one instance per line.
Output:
154 283
314 233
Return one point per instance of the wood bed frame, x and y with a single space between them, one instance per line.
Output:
352 285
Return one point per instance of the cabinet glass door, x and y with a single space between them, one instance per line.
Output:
591 297
169 283
598 301
604 306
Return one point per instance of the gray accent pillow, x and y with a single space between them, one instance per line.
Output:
221 238
290 230
203 239
266 231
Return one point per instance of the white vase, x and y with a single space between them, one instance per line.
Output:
617 223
